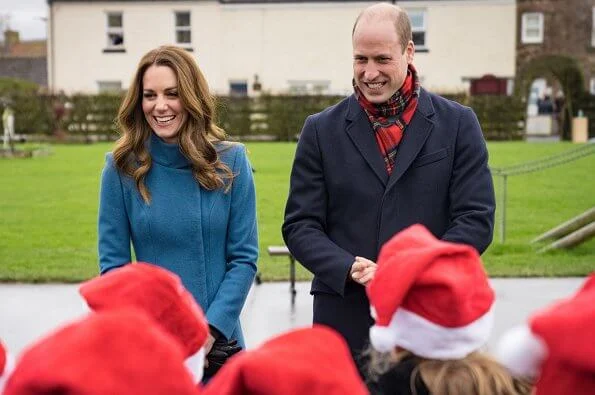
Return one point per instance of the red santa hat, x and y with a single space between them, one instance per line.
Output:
313 361
113 352
557 346
430 297
160 294
2 358
6 365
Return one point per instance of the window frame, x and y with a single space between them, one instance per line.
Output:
237 83
182 28
109 86
114 29
419 29
593 29
526 39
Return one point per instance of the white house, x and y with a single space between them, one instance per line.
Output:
292 46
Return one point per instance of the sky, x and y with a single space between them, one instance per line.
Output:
25 16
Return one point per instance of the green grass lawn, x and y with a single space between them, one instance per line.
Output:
48 210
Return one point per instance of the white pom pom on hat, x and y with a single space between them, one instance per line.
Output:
557 346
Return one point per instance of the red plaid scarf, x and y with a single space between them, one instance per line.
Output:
390 119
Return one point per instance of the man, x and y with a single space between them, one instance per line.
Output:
389 156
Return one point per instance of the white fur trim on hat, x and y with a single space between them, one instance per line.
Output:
196 364
8 368
426 339
521 352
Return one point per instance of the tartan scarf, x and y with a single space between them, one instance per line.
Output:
389 119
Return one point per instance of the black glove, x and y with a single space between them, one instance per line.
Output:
222 350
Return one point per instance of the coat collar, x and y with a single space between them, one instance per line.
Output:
167 154
360 131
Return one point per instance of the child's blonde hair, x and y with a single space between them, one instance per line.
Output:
476 374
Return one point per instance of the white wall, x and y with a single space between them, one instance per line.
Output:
279 42
466 39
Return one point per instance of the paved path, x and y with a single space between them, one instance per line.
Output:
29 311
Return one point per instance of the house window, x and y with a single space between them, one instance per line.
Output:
109 86
593 29
418 27
309 87
183 33
238 88
532 28
115 30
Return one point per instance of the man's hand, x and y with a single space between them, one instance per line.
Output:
362 270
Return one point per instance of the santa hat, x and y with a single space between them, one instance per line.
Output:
160 294
557 347
6 365
430 297
313 361
115 352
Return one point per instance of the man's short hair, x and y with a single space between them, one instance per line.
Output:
396 14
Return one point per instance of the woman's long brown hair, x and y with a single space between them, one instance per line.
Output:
196 136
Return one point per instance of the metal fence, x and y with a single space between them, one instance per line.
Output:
533 166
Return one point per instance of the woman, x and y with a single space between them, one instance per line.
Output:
181 194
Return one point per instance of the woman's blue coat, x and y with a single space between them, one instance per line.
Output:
208 238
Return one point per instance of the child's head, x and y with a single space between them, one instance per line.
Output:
556 348
313 361
430 297
432 301
476 374
111 352
160 294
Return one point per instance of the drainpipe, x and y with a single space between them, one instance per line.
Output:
51 61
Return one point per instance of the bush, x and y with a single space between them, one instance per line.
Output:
32 112
233 115
286 113
269 117
92 114
500 117
278 116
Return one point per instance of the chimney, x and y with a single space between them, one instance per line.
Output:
11 37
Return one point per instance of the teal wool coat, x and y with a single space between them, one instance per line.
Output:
208 238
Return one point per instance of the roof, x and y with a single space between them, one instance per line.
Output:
50 2
25 49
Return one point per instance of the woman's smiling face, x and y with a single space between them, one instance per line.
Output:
163 109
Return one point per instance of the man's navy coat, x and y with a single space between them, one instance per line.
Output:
342 202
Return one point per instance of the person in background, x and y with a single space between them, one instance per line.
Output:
434 309
8 126
545 106
182 195
388 156
556 348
